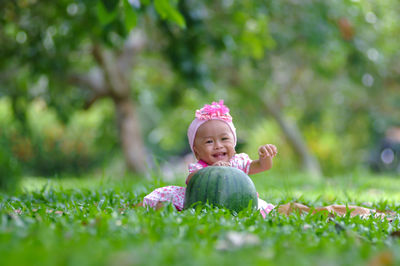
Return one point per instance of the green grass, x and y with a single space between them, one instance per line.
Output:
94 222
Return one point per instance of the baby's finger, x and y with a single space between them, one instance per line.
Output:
263 152
275 150
272 149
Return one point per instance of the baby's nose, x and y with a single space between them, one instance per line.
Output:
218 144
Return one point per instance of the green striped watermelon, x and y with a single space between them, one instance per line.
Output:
221 186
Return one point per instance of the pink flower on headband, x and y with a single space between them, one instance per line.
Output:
217 110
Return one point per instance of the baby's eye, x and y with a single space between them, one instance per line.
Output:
208 141
225 138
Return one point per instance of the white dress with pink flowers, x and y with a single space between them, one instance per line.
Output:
176 194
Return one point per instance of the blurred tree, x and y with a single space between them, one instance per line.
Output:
313 66
327 72
72 53
228 36
312 60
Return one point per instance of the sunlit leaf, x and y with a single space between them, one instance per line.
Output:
104 15
167 11
130 16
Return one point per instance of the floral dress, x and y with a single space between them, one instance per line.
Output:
176 194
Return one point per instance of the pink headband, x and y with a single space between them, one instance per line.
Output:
215 111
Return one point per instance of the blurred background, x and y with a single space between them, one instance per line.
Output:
109 87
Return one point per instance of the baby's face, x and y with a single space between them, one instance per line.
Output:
214 142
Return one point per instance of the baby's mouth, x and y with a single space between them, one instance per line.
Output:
219 155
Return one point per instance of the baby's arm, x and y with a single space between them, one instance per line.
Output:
266 153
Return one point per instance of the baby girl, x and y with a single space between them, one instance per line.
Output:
212 138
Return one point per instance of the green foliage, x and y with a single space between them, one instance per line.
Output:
130 16
94 222
45 43
167 10
268 132
313 61
49 147
9 168
330 67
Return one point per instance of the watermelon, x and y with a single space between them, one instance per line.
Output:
221 186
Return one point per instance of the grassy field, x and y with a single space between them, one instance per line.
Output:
93 221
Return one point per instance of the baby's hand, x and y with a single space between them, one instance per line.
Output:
222 163
268 150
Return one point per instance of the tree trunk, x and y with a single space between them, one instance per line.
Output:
112 80
292 133
130 135
128 124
